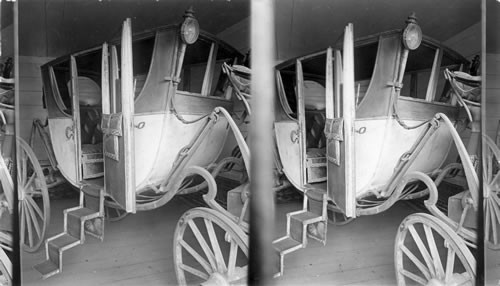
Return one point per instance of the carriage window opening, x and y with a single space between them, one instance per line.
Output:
194 66
289 87
418 72
62 76
314 71
442 89
364 65
219 78
142 51
89 97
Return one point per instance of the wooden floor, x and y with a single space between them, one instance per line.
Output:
138 251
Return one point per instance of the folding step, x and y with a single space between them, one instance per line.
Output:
78 221
75 221
311 221
283 246
298 224
47 269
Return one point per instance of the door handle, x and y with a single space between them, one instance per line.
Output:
294 136
69 132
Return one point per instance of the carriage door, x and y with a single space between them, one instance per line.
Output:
75 131
339 128
117 123
289 135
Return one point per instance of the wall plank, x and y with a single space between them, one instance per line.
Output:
30 98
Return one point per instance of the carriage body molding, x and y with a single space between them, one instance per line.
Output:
352 149
139 130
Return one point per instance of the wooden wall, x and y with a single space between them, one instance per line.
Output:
492 106
30 98
7 40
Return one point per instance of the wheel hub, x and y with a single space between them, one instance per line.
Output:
216 279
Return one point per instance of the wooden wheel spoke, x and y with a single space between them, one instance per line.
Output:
204 245
30 181
35 206
22 223
196 256
34 220
423 249
24 167
414 277
233 253
28 226
450 263
487 219
194 230
194 271
438 266
493 214
221 264
416 261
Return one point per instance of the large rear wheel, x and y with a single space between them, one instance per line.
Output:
491 185
209 249
34 203
428 252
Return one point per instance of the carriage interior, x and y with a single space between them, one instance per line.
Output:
416 82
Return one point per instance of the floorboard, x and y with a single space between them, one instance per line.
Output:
138 250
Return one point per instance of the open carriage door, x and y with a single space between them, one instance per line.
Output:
117 123
290 139
339 129
75 106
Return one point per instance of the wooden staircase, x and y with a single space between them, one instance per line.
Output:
311 222
87 218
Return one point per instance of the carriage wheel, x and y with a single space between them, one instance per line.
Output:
336 216
112 211
428 252
34 204
209 248
491 184
5 269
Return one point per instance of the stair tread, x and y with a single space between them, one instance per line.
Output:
315 193
81 212
47 268
286 244
305 216
63 241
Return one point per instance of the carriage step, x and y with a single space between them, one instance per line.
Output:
63 242
75 221
47 269
79 221
286 245
298 224
283 246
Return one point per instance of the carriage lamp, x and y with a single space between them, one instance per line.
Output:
412 34
190 29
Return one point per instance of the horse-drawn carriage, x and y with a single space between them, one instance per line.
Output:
357 128
132 122
389 125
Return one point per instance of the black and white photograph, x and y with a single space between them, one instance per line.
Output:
250 142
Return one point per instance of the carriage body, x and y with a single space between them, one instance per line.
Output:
173 89
351 144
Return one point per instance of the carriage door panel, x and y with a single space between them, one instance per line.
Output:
117 123
287 138
339 128
75 129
